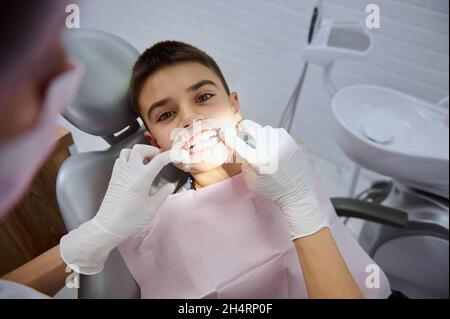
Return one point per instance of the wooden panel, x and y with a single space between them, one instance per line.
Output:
35 225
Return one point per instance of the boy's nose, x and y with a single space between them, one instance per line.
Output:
191 118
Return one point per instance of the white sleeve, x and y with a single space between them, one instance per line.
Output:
12 290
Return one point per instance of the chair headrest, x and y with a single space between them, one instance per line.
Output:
101 106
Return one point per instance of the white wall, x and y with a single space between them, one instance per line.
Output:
257 43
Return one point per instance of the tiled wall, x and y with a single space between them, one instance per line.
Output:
258 45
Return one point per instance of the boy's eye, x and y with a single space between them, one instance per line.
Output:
204 97
164 116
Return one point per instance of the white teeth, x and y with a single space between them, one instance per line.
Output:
203 140
205 143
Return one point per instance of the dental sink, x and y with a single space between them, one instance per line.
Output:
394 134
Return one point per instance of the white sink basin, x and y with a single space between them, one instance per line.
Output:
394 134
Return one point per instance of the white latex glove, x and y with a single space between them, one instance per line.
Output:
126 208
276 169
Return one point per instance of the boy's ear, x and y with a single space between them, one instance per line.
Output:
151 139
236 105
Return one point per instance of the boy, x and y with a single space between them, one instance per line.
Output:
220 240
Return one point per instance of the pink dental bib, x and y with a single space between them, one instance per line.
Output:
223 241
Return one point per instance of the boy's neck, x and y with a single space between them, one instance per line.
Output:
215 175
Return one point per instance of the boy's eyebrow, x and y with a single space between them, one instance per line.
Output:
199 84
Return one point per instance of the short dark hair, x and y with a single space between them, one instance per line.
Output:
23 27
162 54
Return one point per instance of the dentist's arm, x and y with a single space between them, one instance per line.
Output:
281 174
46 273
126 209
325 272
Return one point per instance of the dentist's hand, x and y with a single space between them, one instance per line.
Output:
126 209
277 169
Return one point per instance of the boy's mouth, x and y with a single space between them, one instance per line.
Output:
202 141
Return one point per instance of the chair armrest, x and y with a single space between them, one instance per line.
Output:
356 208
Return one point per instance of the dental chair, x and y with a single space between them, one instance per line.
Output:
101 108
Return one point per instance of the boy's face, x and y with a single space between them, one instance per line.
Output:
175 96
